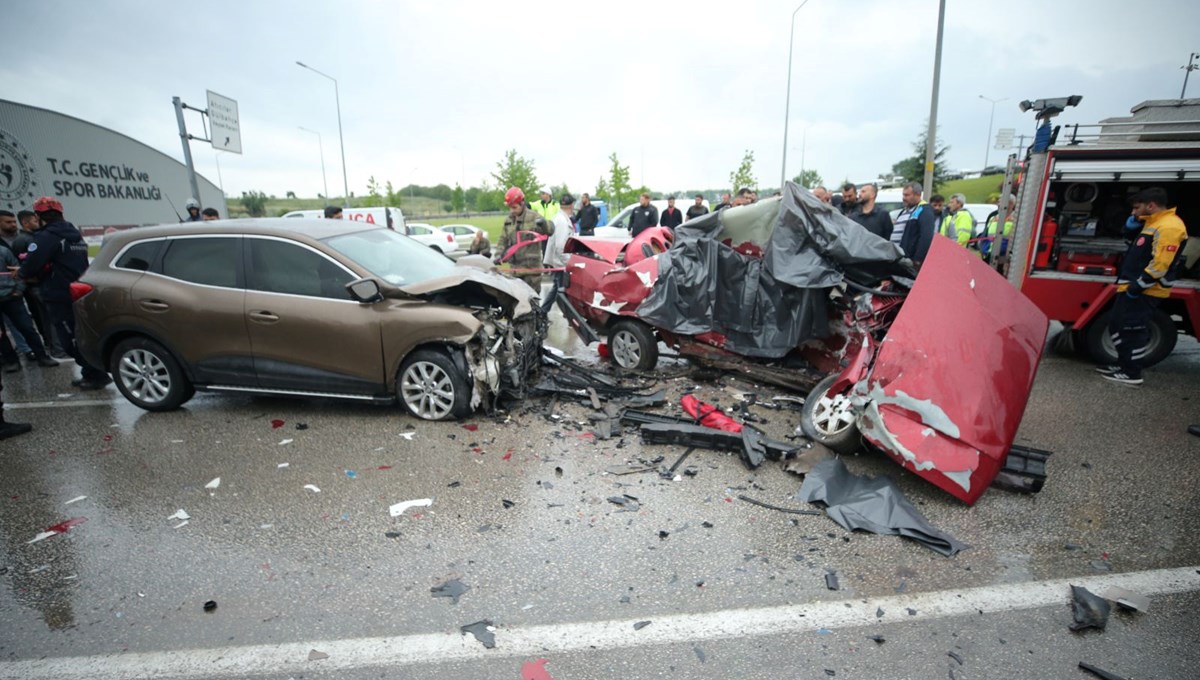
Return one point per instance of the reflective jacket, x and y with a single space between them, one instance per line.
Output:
546 210
958 226
1153 259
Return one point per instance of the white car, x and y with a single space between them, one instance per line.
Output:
618 227
433 237
464 234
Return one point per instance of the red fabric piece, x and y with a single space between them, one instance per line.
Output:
713 417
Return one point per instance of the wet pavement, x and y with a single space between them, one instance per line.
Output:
287 564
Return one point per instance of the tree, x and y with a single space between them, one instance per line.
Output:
458 202
602 191
374 199
255 203
808 179
620 193
912 169
389 193
291 194
743 177
515 171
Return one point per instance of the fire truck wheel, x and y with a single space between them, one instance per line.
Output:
829 418
1163 337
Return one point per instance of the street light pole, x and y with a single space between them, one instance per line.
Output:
320 148
931 136
1187 71
341 140
987 148
787 106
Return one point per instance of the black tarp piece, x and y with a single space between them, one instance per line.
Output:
872 504
764 307
1099 672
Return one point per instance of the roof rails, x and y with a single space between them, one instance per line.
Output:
1129 132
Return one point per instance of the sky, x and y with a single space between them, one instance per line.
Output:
437 92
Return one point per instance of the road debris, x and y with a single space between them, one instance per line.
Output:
807 457
60 528
535 670
276 424
1090 610
793 511
831 581
452 589
508 505
483 631
408 435
1099 672
312 487
399 508
640 625
1127 599
699 654
956 656
878 639
872 504
213 484
75 500
628 503
301 426
283 465
314 655
285 442
210 606
180 514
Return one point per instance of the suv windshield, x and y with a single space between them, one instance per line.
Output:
396 259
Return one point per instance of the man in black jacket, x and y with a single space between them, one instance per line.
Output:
671 217
697 209
875 219
643 216
57 258
589 216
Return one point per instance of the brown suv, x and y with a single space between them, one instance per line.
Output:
305 307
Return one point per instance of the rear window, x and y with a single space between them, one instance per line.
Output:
139 256
208 261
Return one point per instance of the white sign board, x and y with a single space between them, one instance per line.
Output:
1004 138
223 120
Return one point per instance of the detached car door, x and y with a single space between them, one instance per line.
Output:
306 333
193 302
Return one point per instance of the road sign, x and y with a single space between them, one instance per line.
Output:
1004 138
226 127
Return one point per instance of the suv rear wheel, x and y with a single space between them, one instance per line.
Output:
148 375
431 387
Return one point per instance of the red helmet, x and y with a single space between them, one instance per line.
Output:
47 203
514 196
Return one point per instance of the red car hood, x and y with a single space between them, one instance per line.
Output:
949 386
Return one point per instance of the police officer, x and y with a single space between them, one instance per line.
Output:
193 210
57 258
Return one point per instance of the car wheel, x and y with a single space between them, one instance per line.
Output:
148 376
633 345
1163 337
829 418
431 387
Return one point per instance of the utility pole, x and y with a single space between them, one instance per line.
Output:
931 136
787 106
1187 71
321 149
187 148
987 148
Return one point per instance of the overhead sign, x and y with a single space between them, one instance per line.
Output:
225 126
1004 138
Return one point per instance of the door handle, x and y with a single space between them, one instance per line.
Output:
263 316
154 305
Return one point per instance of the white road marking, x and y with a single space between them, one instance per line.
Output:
598 635
71 403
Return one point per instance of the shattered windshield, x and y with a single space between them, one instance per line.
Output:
396 259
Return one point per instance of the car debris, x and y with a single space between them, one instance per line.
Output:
180 514
452 589
831 581
1127 599
75 500
213 484
1099 672
484 631
1090 610
313 488
872 504
628 503
956 656
398 509
314 655
806 457
877 639
793 511
60 528
641 624
535 670
210 606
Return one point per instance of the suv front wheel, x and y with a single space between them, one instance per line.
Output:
432 387
148 375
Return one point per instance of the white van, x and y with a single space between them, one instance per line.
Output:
618 227
390 217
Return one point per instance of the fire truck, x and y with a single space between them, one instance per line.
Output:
1074 197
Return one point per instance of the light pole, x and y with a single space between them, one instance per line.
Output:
931 135
987 148
341 141
321 148
787 106
1187 71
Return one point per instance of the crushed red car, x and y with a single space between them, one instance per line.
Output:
934 368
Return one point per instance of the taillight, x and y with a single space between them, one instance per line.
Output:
78 290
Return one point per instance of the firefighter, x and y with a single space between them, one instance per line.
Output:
1147 271
529 254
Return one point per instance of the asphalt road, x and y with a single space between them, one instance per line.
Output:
563 574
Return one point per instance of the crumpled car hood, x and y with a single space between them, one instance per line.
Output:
470 281
949 385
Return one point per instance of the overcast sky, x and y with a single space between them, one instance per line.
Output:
437 91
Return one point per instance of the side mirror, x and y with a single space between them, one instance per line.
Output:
365 291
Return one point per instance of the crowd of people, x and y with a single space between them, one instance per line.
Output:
42 259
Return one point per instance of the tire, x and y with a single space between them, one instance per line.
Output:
633 345
148 375
830 420
432 387
1100 348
